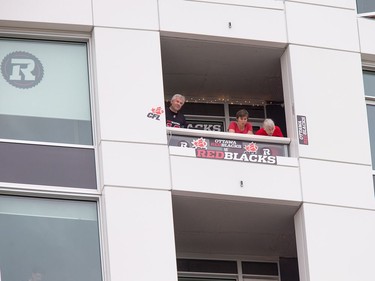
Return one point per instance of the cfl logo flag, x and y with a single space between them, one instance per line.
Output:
22 70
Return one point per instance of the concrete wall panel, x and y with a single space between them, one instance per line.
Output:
322 26
272 4
366 29
204 18
140 14
137 165
347 4
224 177
129 85
327 88
336 183
47 11
140 234
335 243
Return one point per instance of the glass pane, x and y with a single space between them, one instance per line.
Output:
365 6
53 239
369 83
371 125
47 165
44 91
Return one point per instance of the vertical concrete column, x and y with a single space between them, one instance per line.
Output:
335 243
140 235
129 87
322 76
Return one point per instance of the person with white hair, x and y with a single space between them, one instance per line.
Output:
173 116
269 129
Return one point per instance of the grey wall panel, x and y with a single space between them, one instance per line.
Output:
47 165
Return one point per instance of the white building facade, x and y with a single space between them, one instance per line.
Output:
94 186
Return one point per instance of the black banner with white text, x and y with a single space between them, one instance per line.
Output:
226 149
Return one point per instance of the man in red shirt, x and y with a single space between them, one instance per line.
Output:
269 129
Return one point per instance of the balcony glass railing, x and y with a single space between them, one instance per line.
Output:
227 146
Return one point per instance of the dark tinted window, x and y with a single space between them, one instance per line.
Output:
47 165
207 109
214 266
254 111
260 268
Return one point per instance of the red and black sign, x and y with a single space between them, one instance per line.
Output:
235 150
302 130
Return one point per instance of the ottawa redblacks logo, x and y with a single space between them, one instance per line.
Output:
22 70
248 155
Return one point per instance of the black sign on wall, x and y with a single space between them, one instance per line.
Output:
226 149
217 126
302 130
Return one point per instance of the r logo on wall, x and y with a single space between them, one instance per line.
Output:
22 70
302 130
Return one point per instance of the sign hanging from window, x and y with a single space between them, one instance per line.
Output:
302 130
226 149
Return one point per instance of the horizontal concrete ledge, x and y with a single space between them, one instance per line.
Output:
267 4
42 26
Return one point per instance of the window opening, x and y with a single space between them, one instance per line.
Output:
219 78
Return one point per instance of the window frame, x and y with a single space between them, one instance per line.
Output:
92 198
369 100
64 37
59 192
67 37
239 276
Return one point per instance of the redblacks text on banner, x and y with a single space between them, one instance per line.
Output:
235 156
234 150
